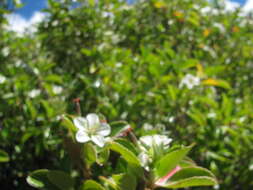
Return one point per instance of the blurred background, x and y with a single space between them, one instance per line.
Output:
178 67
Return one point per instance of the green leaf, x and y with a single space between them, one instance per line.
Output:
127 144
191 176
187 162
191 172
170 161
191 182
92 2
109 182
53 78
4 157
39 179
118 128
103 156
89 154
61 179
91 185
216 82
125 181
132 170
125 153
67 123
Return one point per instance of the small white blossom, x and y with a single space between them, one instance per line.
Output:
6 51
34 93
57 89
220 27
147 127
91 129
189 81
2 79
211 115
97 83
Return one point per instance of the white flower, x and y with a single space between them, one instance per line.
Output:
147 127
33 93
6 51
57 89
152 147
155 140
190 81
211 115
91 129
2 79
220 27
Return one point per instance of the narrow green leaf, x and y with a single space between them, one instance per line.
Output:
38 179
109 182
67 123
191 182
118 128
216 82
4 156
170 161
125 153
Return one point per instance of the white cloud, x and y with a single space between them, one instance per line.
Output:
20 24
248 6
231 6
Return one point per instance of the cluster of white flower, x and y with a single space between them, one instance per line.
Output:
34 93
189 81
148 144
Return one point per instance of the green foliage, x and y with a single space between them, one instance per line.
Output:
4 157
127 62
91 185
170 161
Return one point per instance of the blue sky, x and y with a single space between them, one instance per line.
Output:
32 6
27 16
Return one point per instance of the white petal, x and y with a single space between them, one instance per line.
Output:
80 123
146 140
151 140
92 119
162 140
82 136
98 140
104 129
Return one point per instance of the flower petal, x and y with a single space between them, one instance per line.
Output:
92 119
82 136
104 129
162 140
98 140
80 123
147 140
145 159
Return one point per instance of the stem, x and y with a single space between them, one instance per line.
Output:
86 172
78 107
133 137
